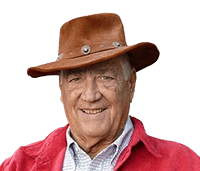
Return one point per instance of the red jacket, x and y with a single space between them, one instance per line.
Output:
144 153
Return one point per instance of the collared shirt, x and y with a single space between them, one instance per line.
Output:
77 160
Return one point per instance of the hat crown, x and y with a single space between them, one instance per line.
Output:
98 31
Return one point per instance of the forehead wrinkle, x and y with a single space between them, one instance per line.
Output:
111 70
98 69
76 71
112 66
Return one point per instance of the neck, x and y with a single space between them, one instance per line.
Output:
94 145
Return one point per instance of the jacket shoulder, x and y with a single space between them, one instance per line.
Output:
177 154
26 155
35 149
170 148
15 162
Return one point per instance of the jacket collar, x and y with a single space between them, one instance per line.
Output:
50 147
139 134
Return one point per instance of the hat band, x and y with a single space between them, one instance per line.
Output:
77 52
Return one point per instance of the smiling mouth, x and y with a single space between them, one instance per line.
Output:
93 111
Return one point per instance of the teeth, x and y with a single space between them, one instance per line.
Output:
94 111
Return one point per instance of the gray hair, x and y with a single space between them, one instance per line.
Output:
125 65
124 61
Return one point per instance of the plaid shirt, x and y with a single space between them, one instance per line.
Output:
77 160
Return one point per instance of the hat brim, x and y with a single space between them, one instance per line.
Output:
140 55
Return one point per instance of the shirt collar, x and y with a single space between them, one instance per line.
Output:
127 132
69 138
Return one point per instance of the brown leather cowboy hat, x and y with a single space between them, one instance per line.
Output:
91 39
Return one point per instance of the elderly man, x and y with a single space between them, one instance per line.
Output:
97 75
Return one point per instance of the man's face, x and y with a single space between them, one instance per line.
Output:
97 99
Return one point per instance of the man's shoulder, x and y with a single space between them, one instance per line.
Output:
39 149
173 150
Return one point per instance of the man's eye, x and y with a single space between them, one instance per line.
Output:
74 79
106 78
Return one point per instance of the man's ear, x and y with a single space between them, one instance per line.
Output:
61 98
131 83
60 85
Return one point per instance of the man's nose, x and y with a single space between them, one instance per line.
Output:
90 91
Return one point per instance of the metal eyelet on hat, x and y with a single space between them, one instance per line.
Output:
59 57
86 49
117 44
